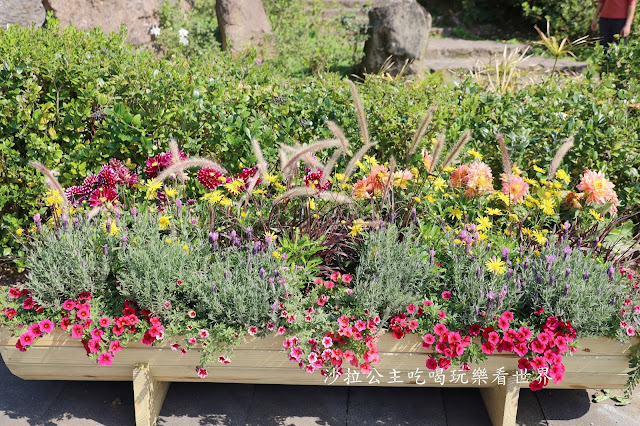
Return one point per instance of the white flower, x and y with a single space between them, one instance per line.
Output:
183 33
184 40
155 31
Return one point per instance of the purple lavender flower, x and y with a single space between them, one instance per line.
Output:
550 258
538 278
105 249
552 280
249 233
509 273
65 221
134 213
414 215
585 276
76 222
432 254
38 221
610 272
262 273
193 220
567 251
526 264
124 242
227 275
179 206
566 289
214 288
567 272
505 253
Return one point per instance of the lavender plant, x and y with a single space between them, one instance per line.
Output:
395 269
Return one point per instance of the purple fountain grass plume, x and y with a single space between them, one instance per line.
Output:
506 162
51 181
187 164
353 163
419 133
437 150
362 120
557 159
457 148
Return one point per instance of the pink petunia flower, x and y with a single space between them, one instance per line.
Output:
105 359
76 331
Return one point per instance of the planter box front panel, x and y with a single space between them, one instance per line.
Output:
599 362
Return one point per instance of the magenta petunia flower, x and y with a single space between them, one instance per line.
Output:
68 305
76 331
105 359
47 326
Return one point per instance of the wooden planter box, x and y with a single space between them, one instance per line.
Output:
599 363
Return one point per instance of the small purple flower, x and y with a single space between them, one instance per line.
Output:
488 246
505 253
552 280
105 249
478 272
214 288
275 306
262 273
65 221
249 233
134 213
227 275
193 220
414 215
538 278
284 256
595 242
585 276
76 222
550 258
527 262
611 272
509 273
124 242
567 272
566 289
567 251
432 254
38 221
179 206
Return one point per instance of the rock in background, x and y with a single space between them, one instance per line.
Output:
21 12
399 30
138 15
243 23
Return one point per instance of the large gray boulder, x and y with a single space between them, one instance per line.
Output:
399 33
138 15
244 23
21 12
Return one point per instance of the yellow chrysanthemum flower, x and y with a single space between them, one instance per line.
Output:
596 215
54 198
356 228
164 222
152 189
455 213
484 223
539 236
19 232
538 169
226 202
213 197
547 206
171 192
475 154
495 265
439 184
562 175
235 186
493 212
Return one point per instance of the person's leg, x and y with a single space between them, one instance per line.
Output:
606 32
616 28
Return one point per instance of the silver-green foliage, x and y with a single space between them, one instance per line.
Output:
241 286
64 262
393 271
153 263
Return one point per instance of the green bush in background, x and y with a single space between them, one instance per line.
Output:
73 99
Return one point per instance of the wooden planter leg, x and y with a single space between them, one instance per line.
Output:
502 402
148 395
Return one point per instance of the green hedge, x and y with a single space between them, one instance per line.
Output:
73 99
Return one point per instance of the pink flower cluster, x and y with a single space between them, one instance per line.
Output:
541 353
336 347
313 180
476 178
103 188
598 190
